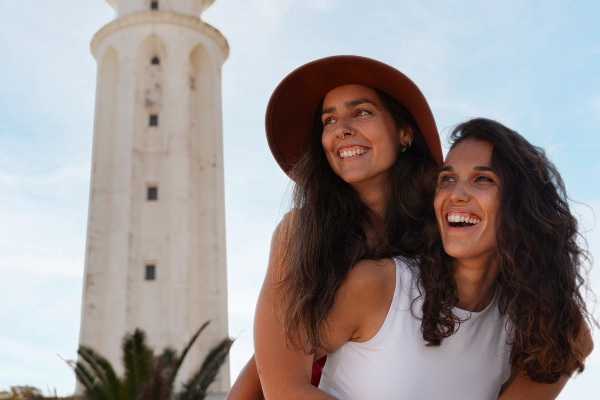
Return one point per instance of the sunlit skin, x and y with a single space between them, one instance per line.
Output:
356 113
468 188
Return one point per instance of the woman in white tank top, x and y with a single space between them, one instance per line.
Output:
366 198
480 332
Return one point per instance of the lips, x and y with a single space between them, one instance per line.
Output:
351 151
461 219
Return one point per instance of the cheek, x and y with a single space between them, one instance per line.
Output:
392 139
328 144
493 204
438 202
388 147
327 141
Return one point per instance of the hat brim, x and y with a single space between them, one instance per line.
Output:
293 105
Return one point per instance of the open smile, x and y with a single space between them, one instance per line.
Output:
352 151
459 220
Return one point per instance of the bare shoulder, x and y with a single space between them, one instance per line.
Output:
362 301
282 228
367 277
585 342
279 241
371 284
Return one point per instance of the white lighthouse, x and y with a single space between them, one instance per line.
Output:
155 255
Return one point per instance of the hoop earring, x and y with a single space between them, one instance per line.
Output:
406 146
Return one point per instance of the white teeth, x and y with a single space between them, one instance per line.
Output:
455 218
352 153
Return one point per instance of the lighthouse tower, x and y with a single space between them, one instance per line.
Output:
155 253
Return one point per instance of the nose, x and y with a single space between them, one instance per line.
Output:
460 192
343 130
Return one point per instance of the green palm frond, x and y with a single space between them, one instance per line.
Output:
185 351
137 359
195 388
99 365
169 361
147 377
96 375
169 355
158 386
83 375
105 384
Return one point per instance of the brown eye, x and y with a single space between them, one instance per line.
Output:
444 180
485 179
328 120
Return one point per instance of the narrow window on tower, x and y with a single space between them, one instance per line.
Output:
150 272
155 60
152 192
153 120
154 5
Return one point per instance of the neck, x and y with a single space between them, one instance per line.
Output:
375 197
475 283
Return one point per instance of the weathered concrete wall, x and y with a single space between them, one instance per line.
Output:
182 233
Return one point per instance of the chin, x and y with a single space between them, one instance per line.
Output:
459 251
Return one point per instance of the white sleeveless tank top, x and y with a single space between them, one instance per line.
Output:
471 364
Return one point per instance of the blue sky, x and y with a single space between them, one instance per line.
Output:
531 65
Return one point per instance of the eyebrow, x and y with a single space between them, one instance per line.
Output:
348 104
477 168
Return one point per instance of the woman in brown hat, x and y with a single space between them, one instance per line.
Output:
362 174
359 141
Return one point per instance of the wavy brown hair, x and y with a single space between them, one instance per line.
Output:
540 263
326 231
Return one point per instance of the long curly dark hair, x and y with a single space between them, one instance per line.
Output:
541 266
326 230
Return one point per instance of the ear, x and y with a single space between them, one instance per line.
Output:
405 135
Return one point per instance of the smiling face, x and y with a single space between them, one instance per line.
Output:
467 200
360 137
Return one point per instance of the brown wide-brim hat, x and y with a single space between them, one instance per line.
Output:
293 105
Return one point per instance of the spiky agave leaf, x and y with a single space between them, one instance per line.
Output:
195 388
137 360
